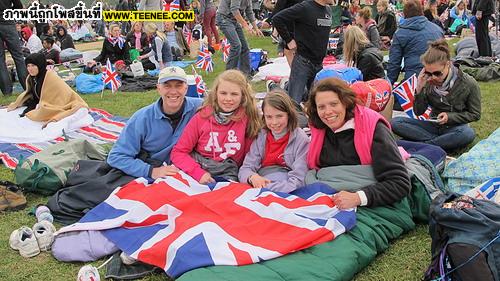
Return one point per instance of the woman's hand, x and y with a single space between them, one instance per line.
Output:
422 80
442 118
206 179
258 182
346 200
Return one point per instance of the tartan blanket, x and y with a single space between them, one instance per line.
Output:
105 128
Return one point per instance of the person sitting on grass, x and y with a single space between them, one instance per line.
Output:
47 97
352 139
64 40
160 55
453 96
369 26
114 47
216 140
156 128
360 53
277 157
50 52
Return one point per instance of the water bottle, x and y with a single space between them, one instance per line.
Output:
43 213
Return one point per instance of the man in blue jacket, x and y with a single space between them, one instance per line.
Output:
153 130
410 41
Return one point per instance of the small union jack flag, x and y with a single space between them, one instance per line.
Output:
111 77
187 34
175 5
204 60
200 84
225 49
404 92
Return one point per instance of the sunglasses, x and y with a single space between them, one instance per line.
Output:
435 73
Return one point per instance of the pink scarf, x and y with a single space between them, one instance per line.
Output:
138 40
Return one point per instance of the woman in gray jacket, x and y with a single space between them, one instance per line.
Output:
277 158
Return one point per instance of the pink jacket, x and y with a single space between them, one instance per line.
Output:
212 140
365 121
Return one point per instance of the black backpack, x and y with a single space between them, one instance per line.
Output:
465 239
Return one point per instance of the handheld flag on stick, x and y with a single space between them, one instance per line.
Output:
111 77
200 84
187 34
405 93
204 60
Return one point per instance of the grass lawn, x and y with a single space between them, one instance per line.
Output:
405 260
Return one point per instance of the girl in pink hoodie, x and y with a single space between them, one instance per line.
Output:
216 139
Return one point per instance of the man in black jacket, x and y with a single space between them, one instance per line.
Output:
10 38
312 20
483 9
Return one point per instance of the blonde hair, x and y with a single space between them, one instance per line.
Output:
247 100
354 40
151 28
365 13
111 26
383 3
281 101
134 24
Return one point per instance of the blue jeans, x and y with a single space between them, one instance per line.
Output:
9 37
447 137
302 76
239 53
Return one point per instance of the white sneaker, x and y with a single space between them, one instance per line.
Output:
126 259
44 234
24 240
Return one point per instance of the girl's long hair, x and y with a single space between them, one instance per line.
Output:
248 105
354 40
151 28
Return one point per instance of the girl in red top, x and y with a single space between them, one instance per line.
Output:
216 139
277 158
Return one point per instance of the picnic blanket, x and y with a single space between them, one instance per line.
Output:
32 131
105 128
178 224
479 164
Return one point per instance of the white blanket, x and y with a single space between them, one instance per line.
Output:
14 129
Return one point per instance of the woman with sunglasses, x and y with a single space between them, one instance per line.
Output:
453 97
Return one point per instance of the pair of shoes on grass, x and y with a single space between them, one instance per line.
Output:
29 242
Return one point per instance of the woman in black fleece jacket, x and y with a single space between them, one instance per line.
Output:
345 133
360 53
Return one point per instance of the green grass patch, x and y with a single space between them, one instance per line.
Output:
406 259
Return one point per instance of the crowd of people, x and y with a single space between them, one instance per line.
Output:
224 137
225 126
